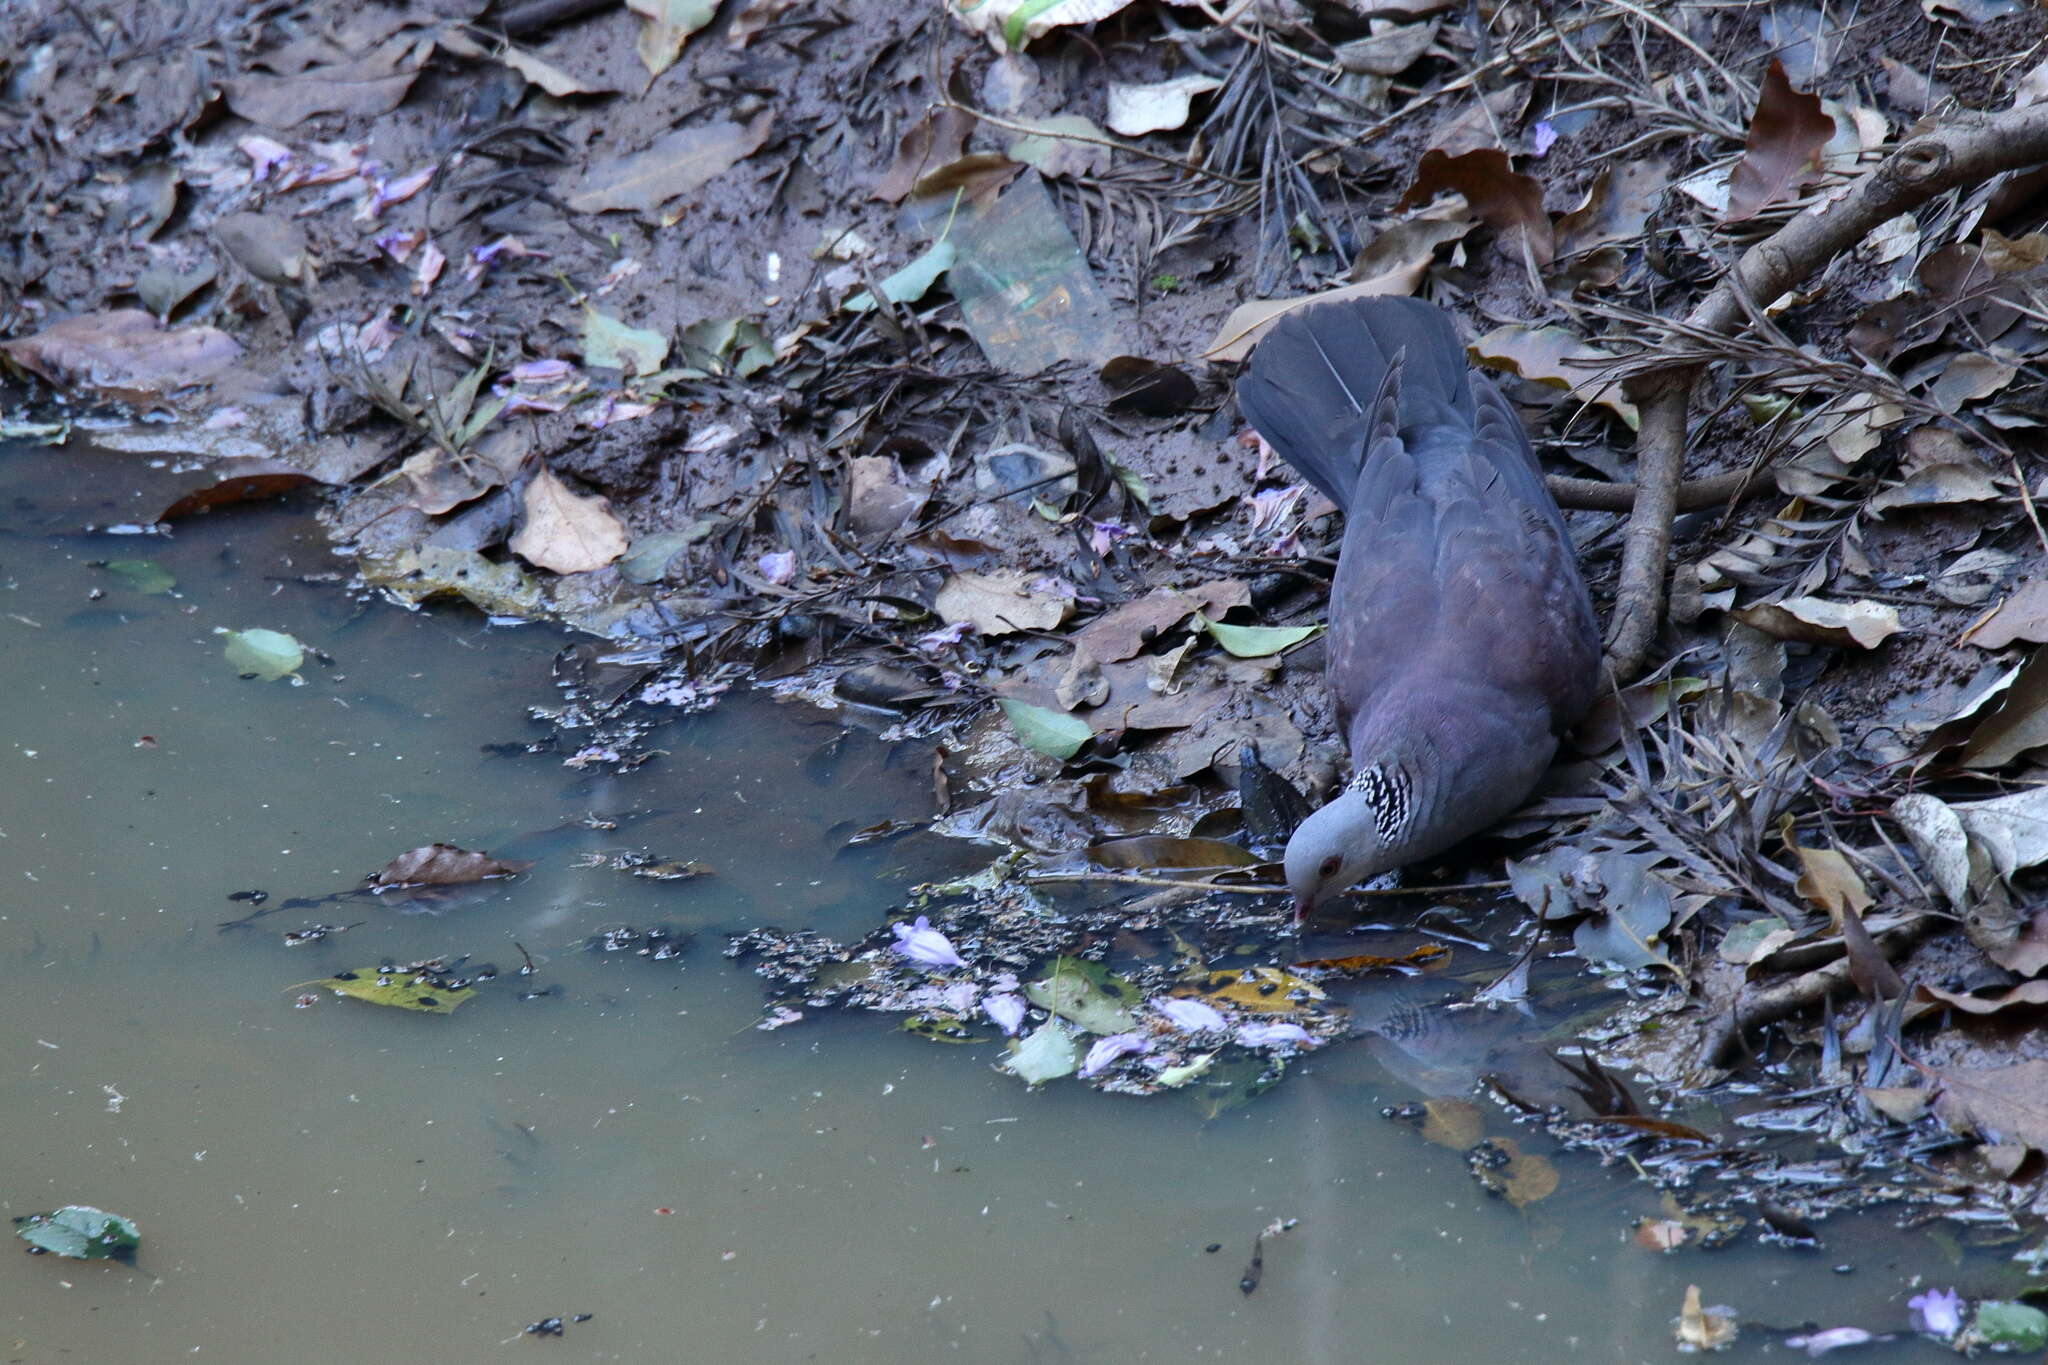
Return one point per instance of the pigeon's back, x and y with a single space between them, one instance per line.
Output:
1457 600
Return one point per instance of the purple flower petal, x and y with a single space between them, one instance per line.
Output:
1109 1049
1273 1035
778 566
1191 1016
1938 1312
925 945
1541 138
1833 1339
1007 1011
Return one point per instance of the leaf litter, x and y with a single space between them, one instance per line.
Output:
766 465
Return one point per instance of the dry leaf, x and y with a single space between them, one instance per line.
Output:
1388 52
1705 1329
565 531
1782 154
1507 201
1996 1103
1865 625
1553 356
1456 1124
125 353
1830 881
1938 485
667 25
1250 321
1616 207
1014 23
935 140
1135 110
999 603
363 87
443 865
672 165
2022 616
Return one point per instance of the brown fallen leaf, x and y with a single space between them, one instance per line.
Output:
239 481
443 865
270 247
1507 201
1782 152
1996 1103
1453 1123
565 531
1250 321
1830 881
666 26
878 499
1704 1329
1938 485
933 141
124 353
999 603
1659 1234
670 166
1124 631
1143 852
1520 1177
2022 616
1865 625
1554 356
362 87
2026 993
1617 205
1426 955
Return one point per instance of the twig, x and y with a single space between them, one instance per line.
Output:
1600 495
1972 149
1753 1009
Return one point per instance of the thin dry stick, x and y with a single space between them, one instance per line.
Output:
1973 148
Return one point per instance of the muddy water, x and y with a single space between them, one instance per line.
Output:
342 1181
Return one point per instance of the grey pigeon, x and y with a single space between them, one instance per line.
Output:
1462 642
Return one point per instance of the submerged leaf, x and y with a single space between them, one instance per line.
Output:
404 989
443 865
142 575
1089 994
80 1232
1262 990
266 654
1046 1053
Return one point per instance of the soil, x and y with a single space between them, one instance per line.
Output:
641 394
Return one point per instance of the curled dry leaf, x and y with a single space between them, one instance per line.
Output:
1250 321
565 531
1507 201
1553 356
1388 52
1814 621
443 865
1704 1329
666 26
1782 153
1830 881
1616 207
1014 23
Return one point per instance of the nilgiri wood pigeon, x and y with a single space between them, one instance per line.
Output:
1462 642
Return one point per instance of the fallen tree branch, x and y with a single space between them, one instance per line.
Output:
1755 1008
1599 495
1973 148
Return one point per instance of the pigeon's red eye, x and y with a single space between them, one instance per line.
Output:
1330 866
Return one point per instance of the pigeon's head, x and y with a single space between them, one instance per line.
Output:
1339 846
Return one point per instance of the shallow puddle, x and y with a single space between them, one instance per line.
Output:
346 1182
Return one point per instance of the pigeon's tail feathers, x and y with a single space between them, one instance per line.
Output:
1312 385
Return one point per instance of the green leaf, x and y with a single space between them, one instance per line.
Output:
941 1028
610 344
2014 1326
81 1233
266 654
405 990
1256 642
142 575
1133 482
1048 731
911 283
1174 1077
1087 993
727 346
1013 27
1046 1053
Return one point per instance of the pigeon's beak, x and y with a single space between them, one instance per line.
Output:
1302 907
